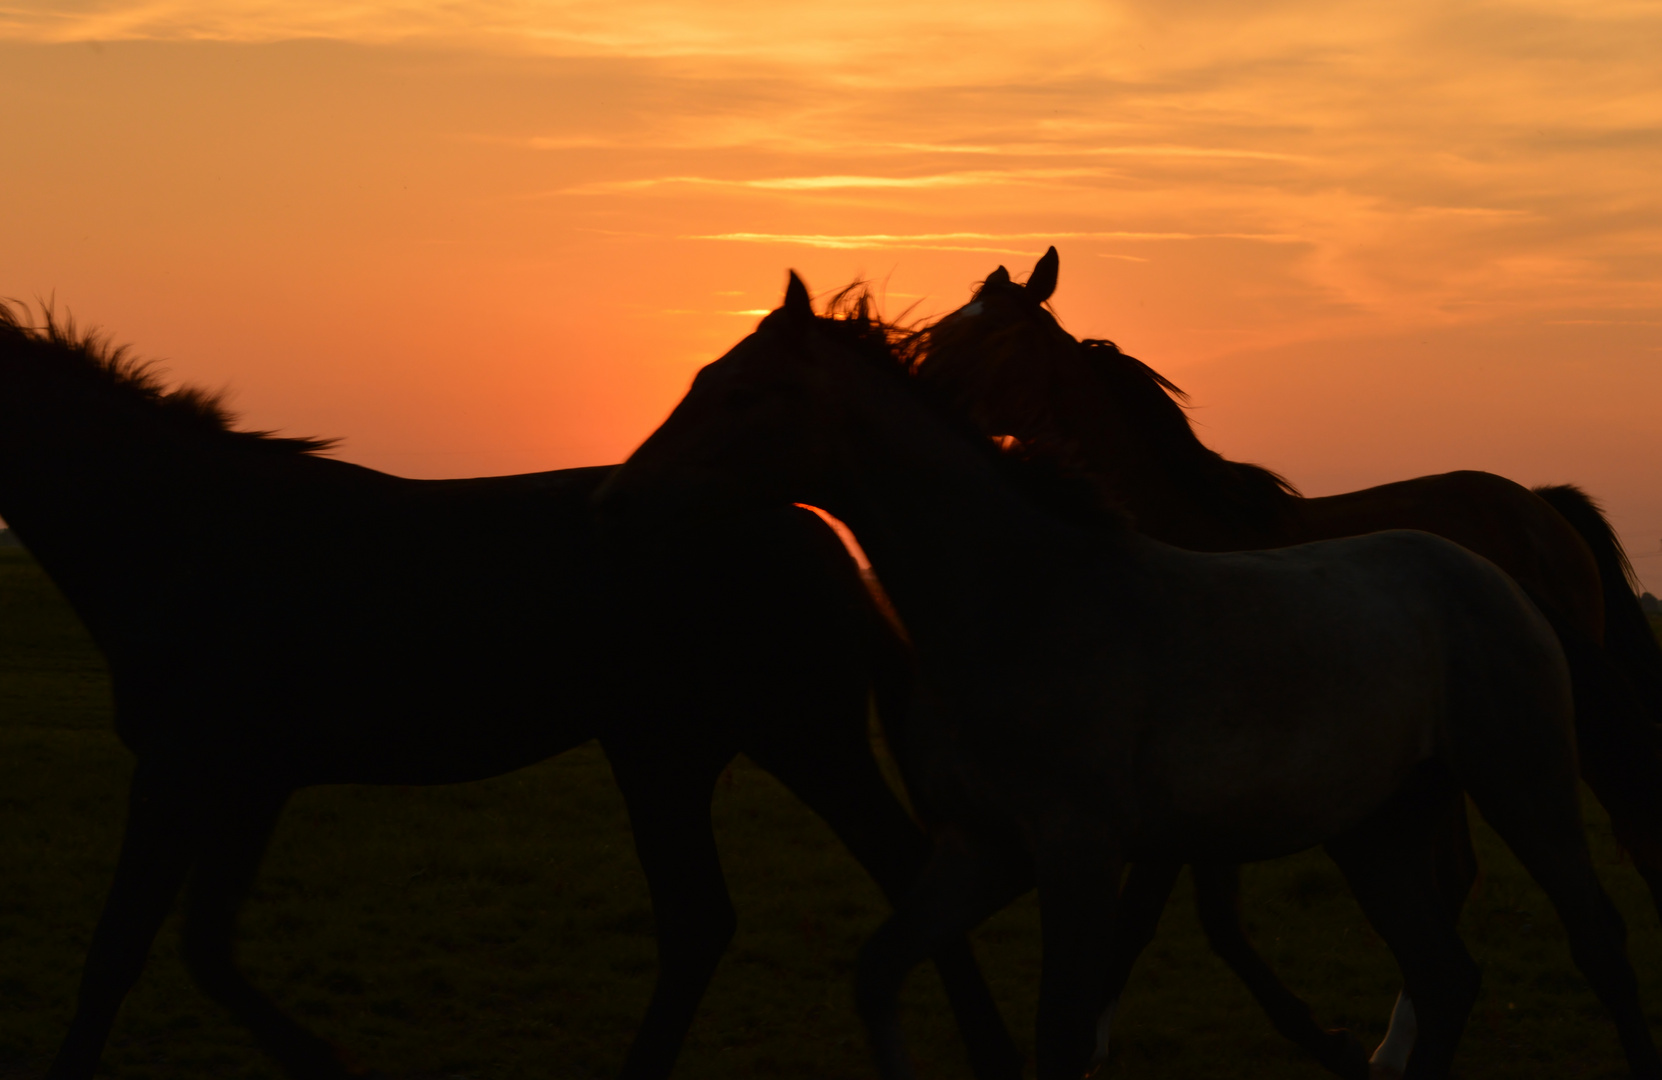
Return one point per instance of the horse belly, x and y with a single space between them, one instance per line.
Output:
1252 791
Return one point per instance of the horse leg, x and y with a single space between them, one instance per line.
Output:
830 767
1078 879
1620 753
668 790
1396 884
156 852
1454 863
966 881
1142 900
1218 903
224 874
1541 823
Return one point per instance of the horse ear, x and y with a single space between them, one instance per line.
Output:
797 303
1000 276
1042 282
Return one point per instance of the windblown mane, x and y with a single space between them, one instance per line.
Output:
1148 403
851 319
1154 405
89 358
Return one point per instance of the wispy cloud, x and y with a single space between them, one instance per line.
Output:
974 178
681 137
1510 213
1603 322
749 312
976 241
1219 177
868 37
1168 150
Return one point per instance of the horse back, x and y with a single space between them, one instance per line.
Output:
1285 694
1502 521
373 628
392 628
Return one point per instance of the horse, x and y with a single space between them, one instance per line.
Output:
273 618
1006 360
1097 695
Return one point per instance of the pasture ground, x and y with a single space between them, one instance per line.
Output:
501 930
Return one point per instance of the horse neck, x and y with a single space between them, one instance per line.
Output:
97 503
971 566
1183 495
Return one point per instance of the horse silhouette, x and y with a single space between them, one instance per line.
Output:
1006 360
1100 696
274 618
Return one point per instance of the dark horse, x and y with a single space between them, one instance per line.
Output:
1006 360
273 618
1104 696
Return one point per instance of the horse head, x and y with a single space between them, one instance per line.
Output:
1000 356
756 427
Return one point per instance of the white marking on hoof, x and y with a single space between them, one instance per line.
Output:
1391 1059
1104 1028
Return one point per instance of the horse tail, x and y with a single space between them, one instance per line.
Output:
1618 691
1628 637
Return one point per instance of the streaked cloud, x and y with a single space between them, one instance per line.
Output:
822 144
1602 322
752 312
973 241
1224 181
866 36
1185 151
974 178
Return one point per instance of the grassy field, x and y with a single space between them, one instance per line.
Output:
502 929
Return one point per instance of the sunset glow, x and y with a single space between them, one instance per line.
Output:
1371 242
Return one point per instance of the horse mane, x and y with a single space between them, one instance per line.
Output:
89 358
1157 413
1152 407
851 319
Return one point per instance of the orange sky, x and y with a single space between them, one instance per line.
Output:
501 236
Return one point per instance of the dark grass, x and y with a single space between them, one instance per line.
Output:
502 929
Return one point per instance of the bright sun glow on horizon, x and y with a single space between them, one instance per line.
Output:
1371 242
